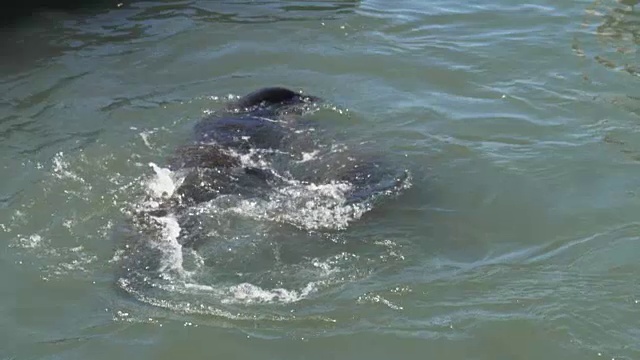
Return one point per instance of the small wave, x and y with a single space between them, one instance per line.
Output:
200 295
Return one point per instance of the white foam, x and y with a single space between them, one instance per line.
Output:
307 206
308 156
145 138
378 299
117 256
169 245
243 293
30 242
163 183
248 293
61 168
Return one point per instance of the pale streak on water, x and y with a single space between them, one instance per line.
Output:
518 239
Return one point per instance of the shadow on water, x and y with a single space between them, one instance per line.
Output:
271 11
40 31
222 11
25 10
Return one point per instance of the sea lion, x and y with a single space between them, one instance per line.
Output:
215 164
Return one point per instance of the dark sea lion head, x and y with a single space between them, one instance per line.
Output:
272 99
258 120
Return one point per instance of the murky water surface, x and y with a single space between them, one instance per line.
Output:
516 239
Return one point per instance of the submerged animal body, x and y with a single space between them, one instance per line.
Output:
260 121
221 161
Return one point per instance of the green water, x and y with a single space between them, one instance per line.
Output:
518 238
